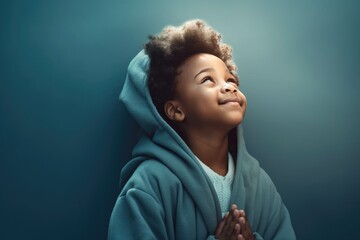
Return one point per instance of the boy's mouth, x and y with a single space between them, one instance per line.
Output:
230 100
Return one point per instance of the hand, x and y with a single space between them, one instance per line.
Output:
246 231
229 227
234 226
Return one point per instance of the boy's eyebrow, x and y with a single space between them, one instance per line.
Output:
204 70
209 69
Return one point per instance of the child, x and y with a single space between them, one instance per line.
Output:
191 176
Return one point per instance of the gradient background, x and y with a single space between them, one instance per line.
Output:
64 136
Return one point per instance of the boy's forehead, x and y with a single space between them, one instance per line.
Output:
202 62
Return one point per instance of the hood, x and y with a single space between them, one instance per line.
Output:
136 97
161 142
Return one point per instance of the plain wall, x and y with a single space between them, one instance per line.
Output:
64 136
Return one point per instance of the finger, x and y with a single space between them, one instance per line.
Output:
235 219
236 233
235 216
237 229
220 227
242 220
241 237
228 229
242 212
245 228
233 206
231 220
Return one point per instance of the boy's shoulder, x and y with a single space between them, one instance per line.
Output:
154 169
153 177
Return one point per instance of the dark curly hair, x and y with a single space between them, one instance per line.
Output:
169 49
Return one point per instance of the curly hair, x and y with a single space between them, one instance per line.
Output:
169 49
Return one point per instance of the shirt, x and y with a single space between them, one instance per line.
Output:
222 184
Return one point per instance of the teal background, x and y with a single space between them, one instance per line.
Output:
64 136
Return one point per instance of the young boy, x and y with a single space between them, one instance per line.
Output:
191 176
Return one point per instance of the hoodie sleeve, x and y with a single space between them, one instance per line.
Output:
257 236
137 215
276 222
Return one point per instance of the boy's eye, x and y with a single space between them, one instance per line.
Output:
233 80
205 79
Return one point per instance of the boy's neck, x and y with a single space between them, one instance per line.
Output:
211 149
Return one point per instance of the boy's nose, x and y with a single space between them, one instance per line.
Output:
229 88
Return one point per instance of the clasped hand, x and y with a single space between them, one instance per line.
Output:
234 226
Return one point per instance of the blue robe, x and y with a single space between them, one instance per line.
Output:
165 193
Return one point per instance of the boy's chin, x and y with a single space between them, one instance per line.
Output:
234 123
236 120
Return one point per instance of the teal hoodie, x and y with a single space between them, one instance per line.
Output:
165 193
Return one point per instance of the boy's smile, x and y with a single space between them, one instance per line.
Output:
231 100
207 94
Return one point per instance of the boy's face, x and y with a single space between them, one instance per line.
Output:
207 93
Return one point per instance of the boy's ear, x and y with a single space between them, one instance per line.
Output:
173 111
